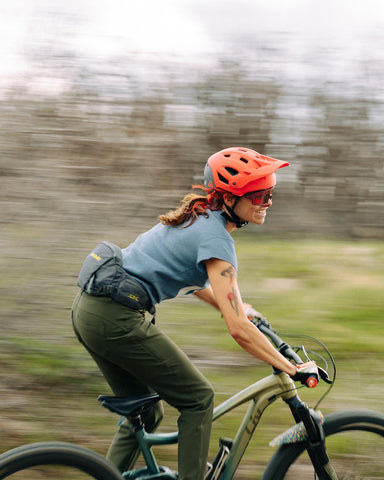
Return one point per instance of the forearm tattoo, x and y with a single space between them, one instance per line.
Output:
230 273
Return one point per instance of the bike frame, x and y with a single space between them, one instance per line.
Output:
260 395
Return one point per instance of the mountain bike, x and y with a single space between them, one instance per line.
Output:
345 445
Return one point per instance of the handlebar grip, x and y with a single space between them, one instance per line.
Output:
287 351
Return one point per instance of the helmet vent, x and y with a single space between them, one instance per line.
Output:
243 159
222 179
232 171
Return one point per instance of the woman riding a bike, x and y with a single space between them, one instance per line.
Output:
191 249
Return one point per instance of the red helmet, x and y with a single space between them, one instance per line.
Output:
241 170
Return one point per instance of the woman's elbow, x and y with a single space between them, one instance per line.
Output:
237 333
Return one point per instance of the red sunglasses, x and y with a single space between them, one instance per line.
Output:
260 197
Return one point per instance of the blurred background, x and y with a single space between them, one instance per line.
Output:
117 104
109 110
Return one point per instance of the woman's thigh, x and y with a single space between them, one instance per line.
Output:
132 343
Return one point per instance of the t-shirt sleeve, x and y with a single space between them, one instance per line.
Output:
217 247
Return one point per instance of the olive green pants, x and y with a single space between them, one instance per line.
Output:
136 358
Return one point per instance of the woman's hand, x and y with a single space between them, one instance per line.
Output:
251 313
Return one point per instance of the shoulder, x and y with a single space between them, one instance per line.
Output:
213 220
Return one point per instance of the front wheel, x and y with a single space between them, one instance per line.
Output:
58 460
354 443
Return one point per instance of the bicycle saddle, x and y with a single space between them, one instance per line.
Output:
129 406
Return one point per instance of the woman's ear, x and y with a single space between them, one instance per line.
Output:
229 199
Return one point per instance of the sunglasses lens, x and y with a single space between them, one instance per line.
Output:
261 197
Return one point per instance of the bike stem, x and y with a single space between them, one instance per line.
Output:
316 438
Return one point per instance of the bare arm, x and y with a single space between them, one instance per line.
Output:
207 296
223 279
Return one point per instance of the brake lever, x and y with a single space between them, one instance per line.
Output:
324 375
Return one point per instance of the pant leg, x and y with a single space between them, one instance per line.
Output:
127 339
123 451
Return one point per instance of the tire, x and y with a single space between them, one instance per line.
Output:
355 446
55 460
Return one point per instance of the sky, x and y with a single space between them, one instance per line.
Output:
184 26
338 30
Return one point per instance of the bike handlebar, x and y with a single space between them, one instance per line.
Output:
286 350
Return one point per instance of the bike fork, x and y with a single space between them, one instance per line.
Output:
316 439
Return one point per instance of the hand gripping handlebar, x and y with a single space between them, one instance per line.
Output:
287 351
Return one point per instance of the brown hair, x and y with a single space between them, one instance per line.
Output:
193 205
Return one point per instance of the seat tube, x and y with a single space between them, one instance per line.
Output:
145 446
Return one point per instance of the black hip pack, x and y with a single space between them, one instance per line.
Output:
103 275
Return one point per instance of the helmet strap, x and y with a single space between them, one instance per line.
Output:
231 216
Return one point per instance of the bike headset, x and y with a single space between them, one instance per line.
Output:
239 170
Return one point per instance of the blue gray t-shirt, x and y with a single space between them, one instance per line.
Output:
167 260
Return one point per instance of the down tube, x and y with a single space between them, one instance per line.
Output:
260 394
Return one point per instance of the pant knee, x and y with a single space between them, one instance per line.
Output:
204 399
209 396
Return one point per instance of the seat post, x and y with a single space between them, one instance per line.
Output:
132 408
136 422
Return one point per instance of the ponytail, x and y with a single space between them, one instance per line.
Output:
193 205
